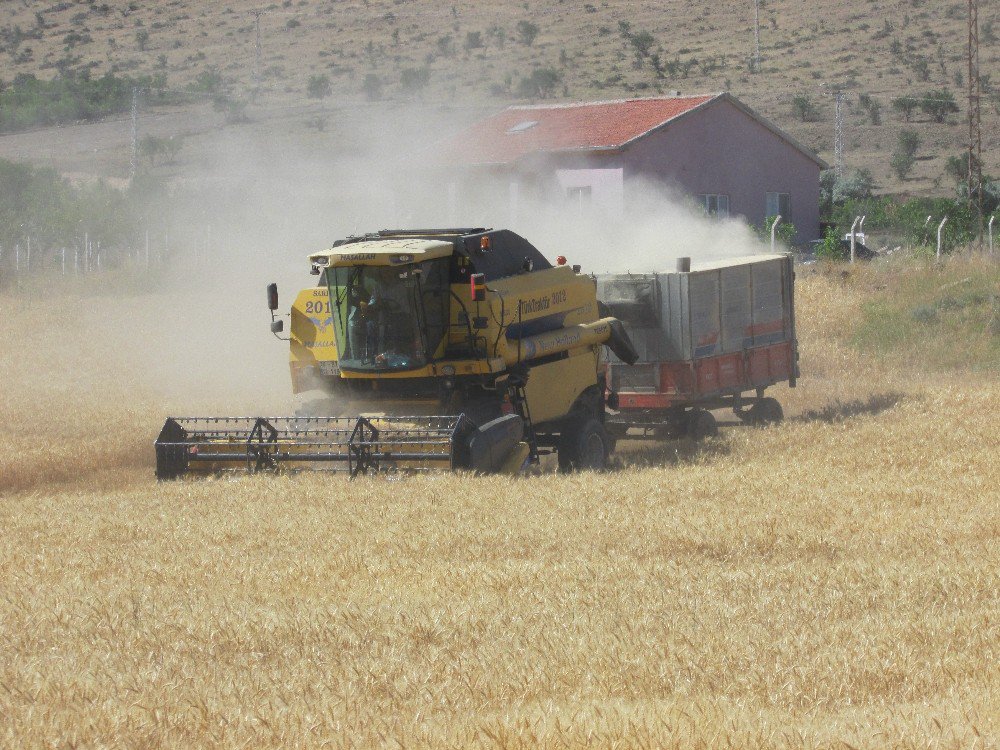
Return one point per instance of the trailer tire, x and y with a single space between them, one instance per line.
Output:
701 425
585 446
764 412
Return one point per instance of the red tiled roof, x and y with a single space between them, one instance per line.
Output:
522 130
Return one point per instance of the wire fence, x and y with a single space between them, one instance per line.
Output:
152 251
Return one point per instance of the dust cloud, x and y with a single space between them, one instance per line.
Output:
249 203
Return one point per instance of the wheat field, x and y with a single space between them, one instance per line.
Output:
830 582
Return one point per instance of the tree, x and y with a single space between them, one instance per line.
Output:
901 163
804 108
641 43
473 40
905 154
938 104
872 107
319 87
908 142
540 84
142 37
499 34
151 147
209 81
958 167
446 45
415 79
372 86
905 106
526 32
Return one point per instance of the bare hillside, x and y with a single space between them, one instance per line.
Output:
470 53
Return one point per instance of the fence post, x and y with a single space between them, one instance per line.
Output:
17 258
991 232
940 227
854 236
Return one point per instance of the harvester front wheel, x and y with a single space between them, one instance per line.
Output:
584 446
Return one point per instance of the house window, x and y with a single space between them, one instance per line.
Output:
778 204
715 205
579 196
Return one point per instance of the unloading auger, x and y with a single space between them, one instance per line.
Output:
491 352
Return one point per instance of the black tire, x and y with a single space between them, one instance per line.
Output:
584 446
701 425
765 411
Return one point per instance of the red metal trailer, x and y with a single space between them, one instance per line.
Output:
711 337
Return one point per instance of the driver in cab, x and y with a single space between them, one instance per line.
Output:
364 297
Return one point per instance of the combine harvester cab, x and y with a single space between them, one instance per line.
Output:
711 337
458 348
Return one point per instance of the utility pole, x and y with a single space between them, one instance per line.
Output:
134 166
756 36
975 176
838 138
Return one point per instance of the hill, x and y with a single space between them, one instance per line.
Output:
470 54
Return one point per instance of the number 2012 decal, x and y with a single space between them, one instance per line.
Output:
318 307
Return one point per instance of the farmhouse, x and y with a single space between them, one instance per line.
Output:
599 156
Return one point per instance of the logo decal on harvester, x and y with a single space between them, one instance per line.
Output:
538 304
321 323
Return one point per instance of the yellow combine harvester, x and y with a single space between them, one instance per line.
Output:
456 348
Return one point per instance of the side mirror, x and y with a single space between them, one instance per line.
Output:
277 326
272 297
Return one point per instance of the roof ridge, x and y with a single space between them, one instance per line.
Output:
572 105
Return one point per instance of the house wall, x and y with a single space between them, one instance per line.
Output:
606 186
719 149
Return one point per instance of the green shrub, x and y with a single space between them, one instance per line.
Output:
526 32
804 108
905 105
784 234
319 87
938 104
415 79
829 248
29 102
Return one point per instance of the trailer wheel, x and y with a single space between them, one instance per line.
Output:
584 446
764 412
701 425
